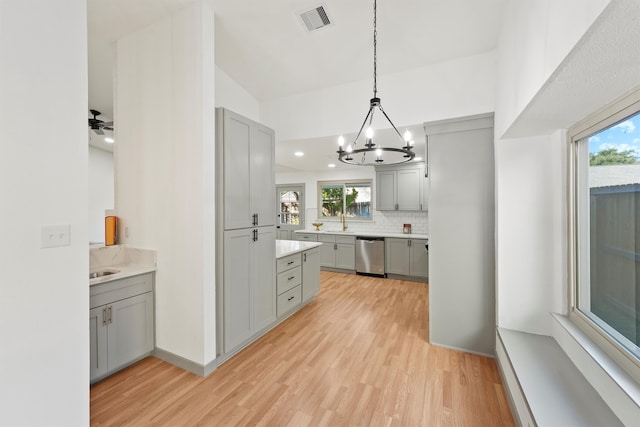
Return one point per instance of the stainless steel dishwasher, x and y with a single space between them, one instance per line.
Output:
370 256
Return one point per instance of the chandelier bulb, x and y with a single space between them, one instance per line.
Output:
349 148
369 133
378 152
407 136
341 140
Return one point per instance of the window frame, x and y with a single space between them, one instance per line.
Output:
345 183
615 112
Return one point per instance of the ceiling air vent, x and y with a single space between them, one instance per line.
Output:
315 18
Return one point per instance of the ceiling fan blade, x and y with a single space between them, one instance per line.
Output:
110 124
98 131
107 128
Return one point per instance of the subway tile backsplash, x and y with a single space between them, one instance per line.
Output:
384 221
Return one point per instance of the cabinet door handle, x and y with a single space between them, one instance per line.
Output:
305 257
255 219
255 235
290 298
110 312
104 316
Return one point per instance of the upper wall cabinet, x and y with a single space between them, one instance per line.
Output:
249 191
400 188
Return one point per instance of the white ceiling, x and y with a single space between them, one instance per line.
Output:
265 47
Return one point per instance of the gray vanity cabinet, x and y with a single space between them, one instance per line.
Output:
121 324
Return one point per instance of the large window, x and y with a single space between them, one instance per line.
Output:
352 198
606 231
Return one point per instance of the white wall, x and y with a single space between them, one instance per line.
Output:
537 45
165 163
531 233
536 37
44 293
101 191
387 222
456 88
232 96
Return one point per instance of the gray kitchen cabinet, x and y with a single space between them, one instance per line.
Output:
248 156
386 190
337 251
289 283
407 257
399 188
249 284
121 324
305 237
310 273
245 205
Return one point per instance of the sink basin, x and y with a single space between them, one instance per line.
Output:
102 273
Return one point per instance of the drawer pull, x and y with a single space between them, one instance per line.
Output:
290 298
291 278
290 262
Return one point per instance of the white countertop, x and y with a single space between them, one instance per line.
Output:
368 234
124 270
125 260
290 247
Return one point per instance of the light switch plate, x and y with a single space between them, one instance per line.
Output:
55 235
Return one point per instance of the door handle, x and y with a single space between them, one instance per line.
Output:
104 316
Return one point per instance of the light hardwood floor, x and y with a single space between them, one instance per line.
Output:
357 355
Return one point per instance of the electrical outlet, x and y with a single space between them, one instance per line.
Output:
55 235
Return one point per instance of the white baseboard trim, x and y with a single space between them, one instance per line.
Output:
186 364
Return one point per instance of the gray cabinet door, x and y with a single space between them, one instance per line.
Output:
237 294
130 331
397 256
419 258
249 174
328 255
236 146
310 273
263 273
345 256
408 189
98 342
386 191
262 178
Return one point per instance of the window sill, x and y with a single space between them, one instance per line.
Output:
616 387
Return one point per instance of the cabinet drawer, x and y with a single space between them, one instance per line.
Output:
288 279
346 240
309 237
289 300
327 238
116 290
287 263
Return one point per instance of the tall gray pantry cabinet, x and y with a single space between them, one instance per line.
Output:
245 206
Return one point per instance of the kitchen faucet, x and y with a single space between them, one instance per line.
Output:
344 222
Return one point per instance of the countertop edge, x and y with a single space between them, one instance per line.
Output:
125 271
367 234
298 246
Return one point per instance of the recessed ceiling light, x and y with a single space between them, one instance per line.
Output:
331 165
109 140
298 154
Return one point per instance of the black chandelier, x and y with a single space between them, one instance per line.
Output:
358 156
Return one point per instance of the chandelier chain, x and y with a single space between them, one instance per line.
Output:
375 53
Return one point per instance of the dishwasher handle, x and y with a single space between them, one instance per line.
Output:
370 239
